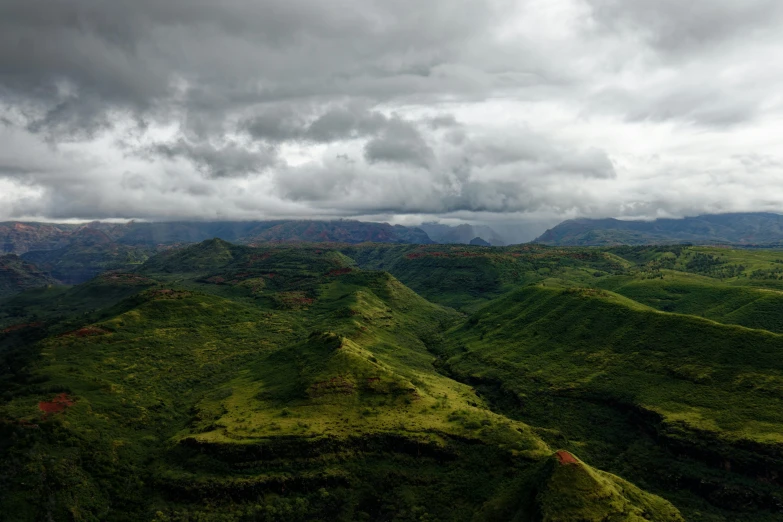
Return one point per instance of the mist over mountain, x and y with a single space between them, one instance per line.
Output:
463 234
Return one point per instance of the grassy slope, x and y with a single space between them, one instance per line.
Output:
750 306
590 365
730 286
466 278
270 384
293 384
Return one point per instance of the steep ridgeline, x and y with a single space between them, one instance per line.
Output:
224 382
740 229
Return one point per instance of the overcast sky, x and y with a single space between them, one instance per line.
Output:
491 111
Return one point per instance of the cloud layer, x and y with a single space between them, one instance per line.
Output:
493 110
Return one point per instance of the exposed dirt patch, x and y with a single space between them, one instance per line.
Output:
125 278
169 293
56 405
565 458
338 385
292 300
15 327
87 331
339 271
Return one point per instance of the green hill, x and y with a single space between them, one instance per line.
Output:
591 365
400 383
262 384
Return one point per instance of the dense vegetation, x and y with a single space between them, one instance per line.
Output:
399 382
17 275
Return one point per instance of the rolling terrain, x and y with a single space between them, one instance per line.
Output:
399 382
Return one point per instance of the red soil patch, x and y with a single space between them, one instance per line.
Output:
335 385
15 327
56 405
566 458
169 293
450 255
87 331
123 277
339 271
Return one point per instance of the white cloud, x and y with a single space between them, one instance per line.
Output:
497 111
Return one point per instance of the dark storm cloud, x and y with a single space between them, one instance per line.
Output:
282 123
345 123
71 63
443 121
481 174
219 161
400 142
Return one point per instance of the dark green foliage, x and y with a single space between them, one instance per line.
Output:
308 382
17 275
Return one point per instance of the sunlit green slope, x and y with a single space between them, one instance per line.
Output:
230 383
595 367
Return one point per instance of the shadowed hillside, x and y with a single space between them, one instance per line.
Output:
17 275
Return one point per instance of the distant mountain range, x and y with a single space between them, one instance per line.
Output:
462 234
73 254
19 238
737 229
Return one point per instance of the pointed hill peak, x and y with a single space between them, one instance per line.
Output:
572 491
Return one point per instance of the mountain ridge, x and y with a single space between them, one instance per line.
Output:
759 228
18 237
